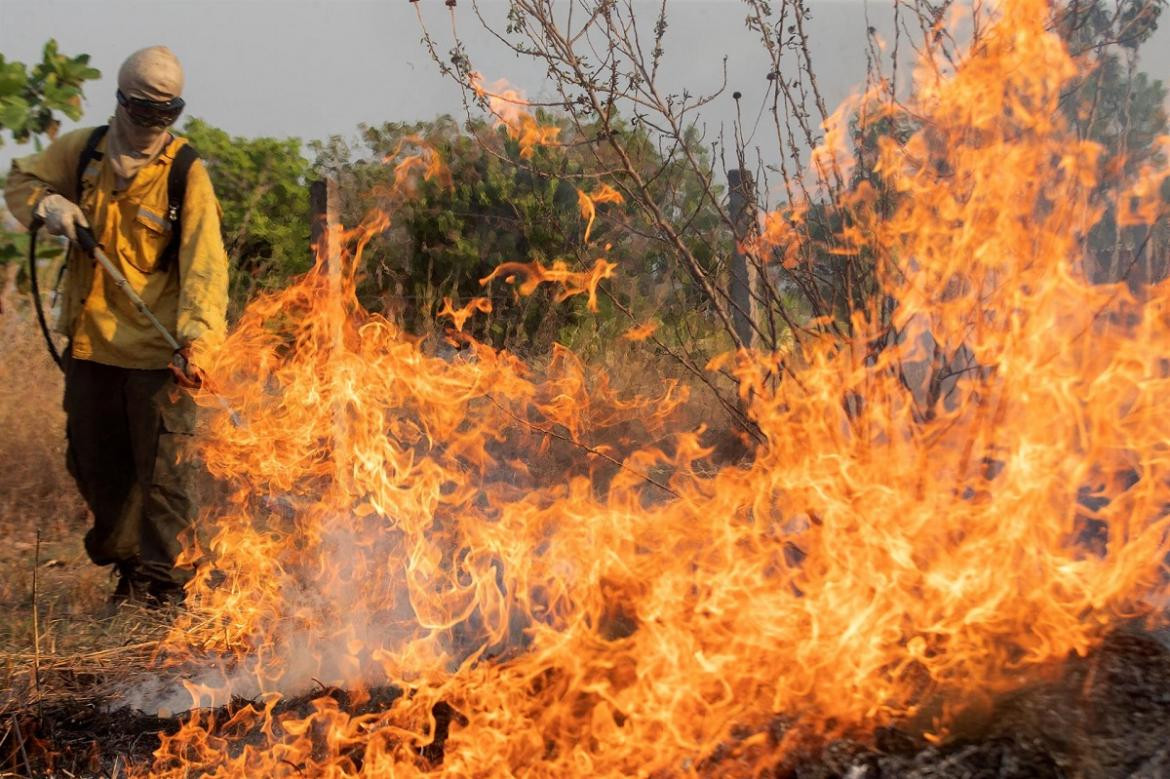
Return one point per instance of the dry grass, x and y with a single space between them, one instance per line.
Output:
75 642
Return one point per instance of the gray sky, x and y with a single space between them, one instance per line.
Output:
311 68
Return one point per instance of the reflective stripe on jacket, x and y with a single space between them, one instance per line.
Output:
188 294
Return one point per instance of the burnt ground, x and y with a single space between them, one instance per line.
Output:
88 741
1107 715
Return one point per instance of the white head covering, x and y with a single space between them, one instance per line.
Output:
151 74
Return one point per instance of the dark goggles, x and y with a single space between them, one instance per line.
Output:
151 113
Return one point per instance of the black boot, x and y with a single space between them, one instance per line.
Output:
130 588
165 594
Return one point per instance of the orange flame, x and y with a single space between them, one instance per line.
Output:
640 332
779 237
588 204
511 109
926 524
459 316
572 282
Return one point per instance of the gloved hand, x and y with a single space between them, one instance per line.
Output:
60 215
186 375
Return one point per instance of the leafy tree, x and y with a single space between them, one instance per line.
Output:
504 203
31 99
262 187
29 104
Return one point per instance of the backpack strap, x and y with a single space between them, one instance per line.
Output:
176 191
89 154
176 185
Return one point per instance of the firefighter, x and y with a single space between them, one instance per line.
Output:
129 410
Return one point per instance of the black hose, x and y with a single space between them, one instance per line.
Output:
35 284
86 239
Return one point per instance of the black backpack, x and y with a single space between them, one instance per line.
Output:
176 185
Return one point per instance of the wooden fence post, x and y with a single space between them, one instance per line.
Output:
324 222
743 272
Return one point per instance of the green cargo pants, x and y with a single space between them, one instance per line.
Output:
128 434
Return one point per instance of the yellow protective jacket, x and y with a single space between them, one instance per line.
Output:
189 296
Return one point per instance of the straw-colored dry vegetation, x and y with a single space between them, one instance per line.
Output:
53 613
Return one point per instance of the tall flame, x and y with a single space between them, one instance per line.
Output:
912 536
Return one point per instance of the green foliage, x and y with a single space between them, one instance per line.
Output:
262 187
448 237
30 99
502 206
